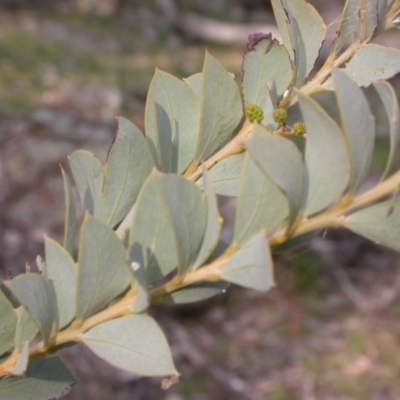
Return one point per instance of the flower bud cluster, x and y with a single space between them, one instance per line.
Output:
254 113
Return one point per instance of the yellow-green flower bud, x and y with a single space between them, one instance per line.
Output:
254 113
299 128
280 115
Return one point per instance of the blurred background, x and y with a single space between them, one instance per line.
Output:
331 329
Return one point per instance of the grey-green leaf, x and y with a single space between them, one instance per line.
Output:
188 211
129 163
194 293
271 104
138 262
70 215
213 224
153 229
102 272
267 61
383 8
226 175
22 361
88 175
142 301
261 204
195 82
326 157
379 223
38 297
251 266
45 379
60 269
373 62
303 32
26 329
123 228
172 122
391 104
134 343
280 159
354 18
8 323
221 108
169 222
295 241
358 126
158 133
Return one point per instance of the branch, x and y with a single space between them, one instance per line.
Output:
235 146
336 216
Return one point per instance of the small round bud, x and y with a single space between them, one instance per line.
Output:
254 113
299 129
280 115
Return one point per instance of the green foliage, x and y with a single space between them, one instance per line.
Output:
36 294
140 347
45 379
326 151
151 228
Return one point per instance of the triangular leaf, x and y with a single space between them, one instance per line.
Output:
45 379
373 62
165 226
158 133
271 105
184 201
123 229
326 157
261 204
251 266
22 361
38 297
129 162
383 8
26 329
60 269
295 241
172 121
134 343
88 176
358 126
280 159
152 228
303 32
70 216
194 293
142 302
138 263
265 61
102 272
213 224
391 104
8 323
380 223
195 82
226 175
358 21
221 108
